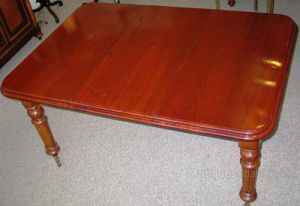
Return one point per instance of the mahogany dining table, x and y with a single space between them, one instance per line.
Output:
210 72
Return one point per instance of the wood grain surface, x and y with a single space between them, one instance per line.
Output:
211 72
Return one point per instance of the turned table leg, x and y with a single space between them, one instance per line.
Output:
39 120
250 154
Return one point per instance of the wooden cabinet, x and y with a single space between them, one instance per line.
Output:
17 26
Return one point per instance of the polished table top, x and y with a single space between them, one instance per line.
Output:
211 72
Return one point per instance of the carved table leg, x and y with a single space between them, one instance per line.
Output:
39 119
36 26
48 4
250 154
56 19
37 31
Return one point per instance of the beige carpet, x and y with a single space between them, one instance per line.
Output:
112 163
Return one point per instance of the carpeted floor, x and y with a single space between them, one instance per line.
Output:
111 163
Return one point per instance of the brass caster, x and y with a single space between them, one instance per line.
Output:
57 160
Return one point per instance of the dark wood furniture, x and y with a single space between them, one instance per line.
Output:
17 26
48 4
170 67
